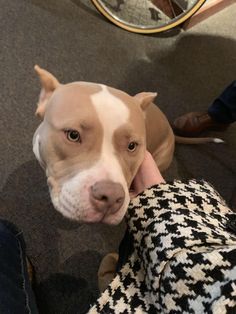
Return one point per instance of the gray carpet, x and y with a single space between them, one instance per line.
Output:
70 39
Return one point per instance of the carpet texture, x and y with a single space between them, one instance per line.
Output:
70 39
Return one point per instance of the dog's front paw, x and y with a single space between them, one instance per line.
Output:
107 270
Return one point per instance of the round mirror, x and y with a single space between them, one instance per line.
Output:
147 16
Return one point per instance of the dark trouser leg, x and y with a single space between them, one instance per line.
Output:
16 295
223 109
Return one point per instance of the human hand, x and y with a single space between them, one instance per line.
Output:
148 175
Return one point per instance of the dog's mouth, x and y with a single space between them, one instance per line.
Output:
86 213
77 205
132 192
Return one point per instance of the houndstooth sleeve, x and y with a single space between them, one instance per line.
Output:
184 258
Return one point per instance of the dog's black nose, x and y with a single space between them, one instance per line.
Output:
107 195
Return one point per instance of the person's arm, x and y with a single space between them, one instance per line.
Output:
184 255
148 175
174 201
151 195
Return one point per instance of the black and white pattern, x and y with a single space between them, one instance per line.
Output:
184 258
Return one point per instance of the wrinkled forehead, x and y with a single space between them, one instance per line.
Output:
84 91
89 101
68 100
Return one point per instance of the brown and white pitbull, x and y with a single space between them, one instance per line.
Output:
91 142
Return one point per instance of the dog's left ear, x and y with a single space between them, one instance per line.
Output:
48 84
145 99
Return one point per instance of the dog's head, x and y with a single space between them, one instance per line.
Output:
91 142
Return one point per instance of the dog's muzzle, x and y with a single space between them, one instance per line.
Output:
107 196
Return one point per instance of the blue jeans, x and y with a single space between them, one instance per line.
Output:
16 295
223 109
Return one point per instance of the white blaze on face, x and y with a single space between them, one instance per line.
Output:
112 113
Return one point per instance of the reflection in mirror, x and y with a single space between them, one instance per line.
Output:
147 13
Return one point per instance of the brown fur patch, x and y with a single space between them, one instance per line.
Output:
65 156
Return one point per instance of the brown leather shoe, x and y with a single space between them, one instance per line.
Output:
193 123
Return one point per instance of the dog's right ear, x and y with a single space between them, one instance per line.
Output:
48 84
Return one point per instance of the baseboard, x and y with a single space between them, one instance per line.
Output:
208 9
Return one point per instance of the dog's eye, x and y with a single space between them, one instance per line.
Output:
73 135
132 146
